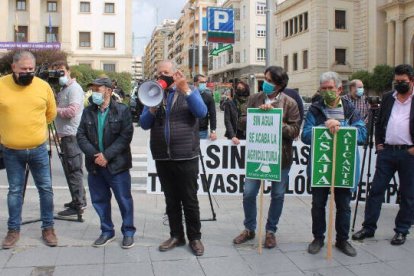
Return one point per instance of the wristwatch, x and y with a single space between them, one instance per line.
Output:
213 131
188 92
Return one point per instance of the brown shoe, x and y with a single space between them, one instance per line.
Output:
244 237
197 247
171 243
11 239
270 240
49 237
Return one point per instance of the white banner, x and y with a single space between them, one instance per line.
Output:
224 165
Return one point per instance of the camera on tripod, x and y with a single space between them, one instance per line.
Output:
50 76
373 101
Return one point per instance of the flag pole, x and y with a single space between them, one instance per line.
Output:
331 201
260 233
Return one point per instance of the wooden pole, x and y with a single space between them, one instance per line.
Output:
260 233
331 202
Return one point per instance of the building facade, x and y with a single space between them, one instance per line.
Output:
137 69
95 33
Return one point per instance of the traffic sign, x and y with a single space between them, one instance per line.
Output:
217 51
220 25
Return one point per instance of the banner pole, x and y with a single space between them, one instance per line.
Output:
332 201
260 233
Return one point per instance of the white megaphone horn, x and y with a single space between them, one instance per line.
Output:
151 93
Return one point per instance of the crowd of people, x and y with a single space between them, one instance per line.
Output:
101 130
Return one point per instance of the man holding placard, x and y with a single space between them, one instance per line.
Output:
334 114
275 82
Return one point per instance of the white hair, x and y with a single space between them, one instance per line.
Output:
23 54
168 61
328 76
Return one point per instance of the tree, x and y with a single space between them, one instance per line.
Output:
382 78
42 57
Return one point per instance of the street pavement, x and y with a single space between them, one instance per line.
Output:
76 256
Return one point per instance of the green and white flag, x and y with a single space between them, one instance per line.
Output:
323 159
264 144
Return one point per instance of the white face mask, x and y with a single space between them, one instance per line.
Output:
63 80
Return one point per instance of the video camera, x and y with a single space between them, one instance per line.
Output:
373 101
50 76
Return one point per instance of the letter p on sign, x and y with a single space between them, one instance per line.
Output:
220 17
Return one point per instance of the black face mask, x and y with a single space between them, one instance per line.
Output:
402 87
24 79
169 80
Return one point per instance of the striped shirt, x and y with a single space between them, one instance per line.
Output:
336 113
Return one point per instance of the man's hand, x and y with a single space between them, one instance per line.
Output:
100 160
411 150
235 140
153 110
379 147
266 106
213 136
333 125
181 82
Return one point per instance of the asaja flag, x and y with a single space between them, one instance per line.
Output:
323 159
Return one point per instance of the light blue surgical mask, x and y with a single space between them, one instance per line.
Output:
202 87
268 88
63 80
97 98
360 91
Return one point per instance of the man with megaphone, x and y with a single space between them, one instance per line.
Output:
175 144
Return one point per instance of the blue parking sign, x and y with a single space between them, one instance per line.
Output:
220 25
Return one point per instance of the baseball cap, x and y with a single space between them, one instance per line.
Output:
102 82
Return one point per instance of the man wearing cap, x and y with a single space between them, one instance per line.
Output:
175 146
104 135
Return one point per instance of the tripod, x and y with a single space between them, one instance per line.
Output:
52 133
368 145
206 187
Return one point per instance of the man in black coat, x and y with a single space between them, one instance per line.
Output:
200 82
104 135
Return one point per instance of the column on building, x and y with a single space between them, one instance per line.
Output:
4 15
65 27
35 26
399 42
391 43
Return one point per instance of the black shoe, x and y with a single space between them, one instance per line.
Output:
362 234
346 248
103 240
127 242
398 239
73 205
315 246
197 247
69 212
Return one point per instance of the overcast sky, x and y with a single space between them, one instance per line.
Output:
144 18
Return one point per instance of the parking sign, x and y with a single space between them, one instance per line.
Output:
220 25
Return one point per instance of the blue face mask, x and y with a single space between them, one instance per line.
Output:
360 91
63 80
202 86
268 88
97 98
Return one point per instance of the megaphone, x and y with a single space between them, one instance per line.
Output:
151 93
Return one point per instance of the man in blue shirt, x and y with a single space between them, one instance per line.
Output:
175 146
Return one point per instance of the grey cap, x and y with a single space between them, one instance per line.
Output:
102 82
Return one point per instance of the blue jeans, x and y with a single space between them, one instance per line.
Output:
251 189
37 160
390 161
203 134
343 212
100 185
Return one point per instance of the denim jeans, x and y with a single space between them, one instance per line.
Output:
388 162
16 162
203 134
251 189
343 212
100 185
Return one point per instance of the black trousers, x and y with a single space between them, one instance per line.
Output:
179 182
73 162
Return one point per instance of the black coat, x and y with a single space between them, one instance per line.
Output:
211 112
118 131
384 115
230 118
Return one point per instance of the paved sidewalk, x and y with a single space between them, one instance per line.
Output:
75 256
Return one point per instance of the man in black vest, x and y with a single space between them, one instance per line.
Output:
394 137
175 145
